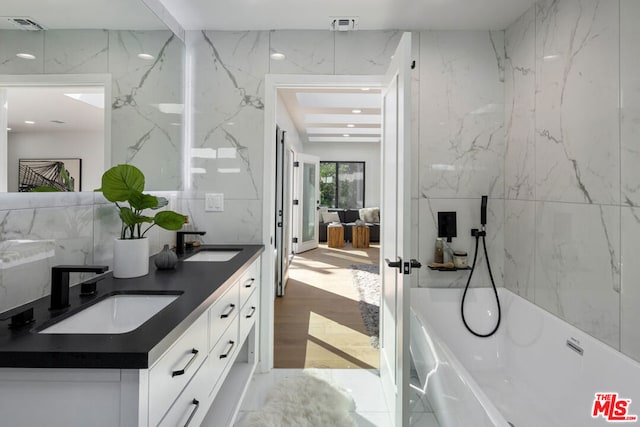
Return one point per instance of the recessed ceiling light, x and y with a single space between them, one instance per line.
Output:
345 134
146 56
277 56
231 123
365 88
8 129
351 125
25 55
356 111
29 122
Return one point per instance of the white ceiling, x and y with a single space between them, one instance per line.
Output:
327 115
373 14
44 104
82 14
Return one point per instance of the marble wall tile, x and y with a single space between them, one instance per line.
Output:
241 221
519 247
630 286
11 201
25 271
365 52
71 228
20 41
307 52
461 114
147 105
577 268
76 51
520 87
228 107
577 101
468 217
630 102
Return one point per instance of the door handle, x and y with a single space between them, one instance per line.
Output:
415 263
394 264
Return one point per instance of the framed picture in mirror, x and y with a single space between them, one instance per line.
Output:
50 175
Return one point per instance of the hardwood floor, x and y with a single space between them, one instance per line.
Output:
318 322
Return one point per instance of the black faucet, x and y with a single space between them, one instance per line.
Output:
180 239
60 282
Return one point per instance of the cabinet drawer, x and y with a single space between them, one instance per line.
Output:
192 405
222 313
174 369
250 312
249 281
222 354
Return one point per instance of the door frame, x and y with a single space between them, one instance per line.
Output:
273 82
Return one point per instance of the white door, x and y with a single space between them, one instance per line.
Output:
396 233
306 202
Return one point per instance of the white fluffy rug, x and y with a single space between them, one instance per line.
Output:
305 401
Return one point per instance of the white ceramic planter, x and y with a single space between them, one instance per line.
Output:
130 258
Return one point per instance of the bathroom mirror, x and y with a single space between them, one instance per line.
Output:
51 63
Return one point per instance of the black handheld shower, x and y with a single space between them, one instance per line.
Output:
483 210
478 234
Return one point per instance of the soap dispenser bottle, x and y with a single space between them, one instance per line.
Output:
438 256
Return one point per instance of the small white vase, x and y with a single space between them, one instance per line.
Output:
130 258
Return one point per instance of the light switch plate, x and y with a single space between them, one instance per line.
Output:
214 202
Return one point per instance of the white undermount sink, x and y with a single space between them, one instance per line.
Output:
208 255
116 314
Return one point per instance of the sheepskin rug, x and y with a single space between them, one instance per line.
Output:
305 401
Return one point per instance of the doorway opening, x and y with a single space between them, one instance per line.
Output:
328 188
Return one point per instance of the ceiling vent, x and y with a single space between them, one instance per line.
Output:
345 23
25 23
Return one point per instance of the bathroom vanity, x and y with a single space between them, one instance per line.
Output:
190 360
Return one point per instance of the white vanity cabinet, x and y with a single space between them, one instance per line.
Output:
218 384
203 373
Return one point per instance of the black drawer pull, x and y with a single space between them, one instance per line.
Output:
193 413
253 311
183 370
228 352
228 313
249 283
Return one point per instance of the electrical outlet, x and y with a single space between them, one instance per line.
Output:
214 202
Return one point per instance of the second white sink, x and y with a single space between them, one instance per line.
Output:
116 314
213 256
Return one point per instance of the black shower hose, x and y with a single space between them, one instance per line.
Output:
466 288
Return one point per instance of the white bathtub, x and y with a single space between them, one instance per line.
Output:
525 374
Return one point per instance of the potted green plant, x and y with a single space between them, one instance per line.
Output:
125 184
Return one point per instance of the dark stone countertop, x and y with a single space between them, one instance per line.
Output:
201 283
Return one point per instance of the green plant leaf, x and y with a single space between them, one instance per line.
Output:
142 201
170 220
129 217
121 182
162 202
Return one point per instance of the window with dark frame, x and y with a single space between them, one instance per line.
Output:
342 185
